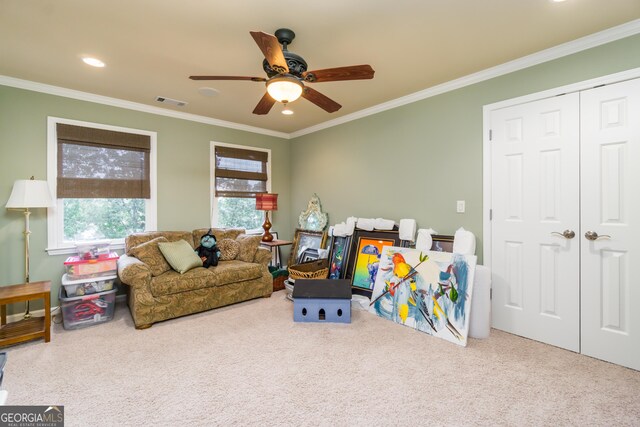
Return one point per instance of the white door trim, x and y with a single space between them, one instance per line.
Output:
486 148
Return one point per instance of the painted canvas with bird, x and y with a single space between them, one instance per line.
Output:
428 291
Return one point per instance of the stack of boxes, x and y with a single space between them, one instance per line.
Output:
88 292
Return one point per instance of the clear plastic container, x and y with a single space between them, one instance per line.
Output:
93 249
78 269
87 286
82 311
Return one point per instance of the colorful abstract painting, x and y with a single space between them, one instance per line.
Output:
428 291
338 257
367 260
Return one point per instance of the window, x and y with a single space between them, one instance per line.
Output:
238 173
103 180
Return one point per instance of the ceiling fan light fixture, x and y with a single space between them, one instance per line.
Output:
284 88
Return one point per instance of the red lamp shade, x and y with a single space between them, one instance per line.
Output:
266 202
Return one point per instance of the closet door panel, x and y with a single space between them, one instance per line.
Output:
610 231
535 190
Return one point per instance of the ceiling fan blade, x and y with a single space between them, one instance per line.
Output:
271 50
253 79
327 104
265 104
354 72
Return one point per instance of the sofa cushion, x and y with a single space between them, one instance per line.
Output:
229 249
150 254
180 255
220 233
135 239
248 246
226 272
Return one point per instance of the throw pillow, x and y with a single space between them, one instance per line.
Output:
229 249
248 246
149 253
180 255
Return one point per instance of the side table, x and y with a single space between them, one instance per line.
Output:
25 329
273 247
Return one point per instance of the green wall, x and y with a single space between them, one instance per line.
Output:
415 161
183 171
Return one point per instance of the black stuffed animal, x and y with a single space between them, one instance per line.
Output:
208 251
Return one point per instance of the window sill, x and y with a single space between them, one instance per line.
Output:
73 251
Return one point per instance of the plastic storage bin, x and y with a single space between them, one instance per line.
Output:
82 311
78 269
93 250
87 286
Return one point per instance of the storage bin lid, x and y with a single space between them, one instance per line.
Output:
66 281
73 260
62 295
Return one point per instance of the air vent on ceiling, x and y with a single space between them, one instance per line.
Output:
171 101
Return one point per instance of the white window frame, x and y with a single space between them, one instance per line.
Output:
212 179
56 244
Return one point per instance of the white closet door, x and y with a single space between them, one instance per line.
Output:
610 196
535 194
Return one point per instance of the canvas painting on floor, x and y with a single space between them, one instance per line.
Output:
429 291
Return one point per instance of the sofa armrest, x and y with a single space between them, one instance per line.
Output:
133 272
262 256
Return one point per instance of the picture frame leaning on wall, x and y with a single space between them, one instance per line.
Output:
303 240
364 256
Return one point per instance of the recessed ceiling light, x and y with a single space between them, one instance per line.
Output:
94 62
287 112
557 1
208 91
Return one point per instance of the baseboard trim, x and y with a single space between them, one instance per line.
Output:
35 313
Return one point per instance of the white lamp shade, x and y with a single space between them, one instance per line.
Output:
29 193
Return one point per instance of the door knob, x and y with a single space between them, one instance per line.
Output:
567 234
592 235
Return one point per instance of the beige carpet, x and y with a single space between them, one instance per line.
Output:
250 364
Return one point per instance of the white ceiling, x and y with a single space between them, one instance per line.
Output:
152 46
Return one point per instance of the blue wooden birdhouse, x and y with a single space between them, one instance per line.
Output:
322 301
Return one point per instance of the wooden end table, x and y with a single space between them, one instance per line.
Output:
25 329
273 247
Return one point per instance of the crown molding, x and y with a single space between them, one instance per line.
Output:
115 102
593 40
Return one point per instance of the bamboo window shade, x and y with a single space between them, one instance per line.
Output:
97 163
240 172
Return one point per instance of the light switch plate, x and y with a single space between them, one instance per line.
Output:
460 206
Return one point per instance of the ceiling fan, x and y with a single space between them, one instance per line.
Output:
287 74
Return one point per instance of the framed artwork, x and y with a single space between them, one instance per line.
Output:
313 218
364 256
308 255
442 243
338 256
429 291
303 240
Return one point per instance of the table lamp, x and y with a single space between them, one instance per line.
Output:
266 202
28 194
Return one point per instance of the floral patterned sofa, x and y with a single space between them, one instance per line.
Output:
154 297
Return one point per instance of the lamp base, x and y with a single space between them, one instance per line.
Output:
267 236
27 314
